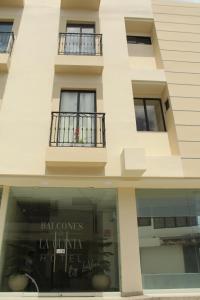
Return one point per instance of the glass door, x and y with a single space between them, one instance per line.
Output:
60 241
77 120
80 39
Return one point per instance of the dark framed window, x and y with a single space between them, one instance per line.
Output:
192 221
132 39
181 222
159 222
170 222
144 221
80 39
173 222
149 114
5 35
77 119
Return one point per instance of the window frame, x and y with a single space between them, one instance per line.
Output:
144 100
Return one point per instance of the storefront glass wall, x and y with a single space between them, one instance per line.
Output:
169 237
60 240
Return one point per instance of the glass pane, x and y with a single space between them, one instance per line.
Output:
154 113
68 122
170 250
140 115
159 223
170 222
88 40
69 101
60 240
73 29
144 221
5 30
181 221
72 39
87 122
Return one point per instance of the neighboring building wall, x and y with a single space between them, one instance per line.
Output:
177 26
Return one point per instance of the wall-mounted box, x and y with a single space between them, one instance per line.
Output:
133 162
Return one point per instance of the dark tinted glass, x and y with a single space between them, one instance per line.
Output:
144 221
138 40
140 115
5 35
159 223
154 114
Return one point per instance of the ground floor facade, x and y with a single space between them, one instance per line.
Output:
78 239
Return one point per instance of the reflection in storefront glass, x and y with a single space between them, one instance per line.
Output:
169 236
60 240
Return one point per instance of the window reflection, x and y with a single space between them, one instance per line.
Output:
60 240
170 243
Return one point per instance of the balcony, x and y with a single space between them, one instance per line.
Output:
12 3
79 53
80 4
6 45
77 139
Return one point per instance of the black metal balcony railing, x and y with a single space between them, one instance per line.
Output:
6 42
80 44
71 129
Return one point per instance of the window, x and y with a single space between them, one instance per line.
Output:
5 36
77 120
159 222
172 222
149 115
80 39
144 222
146 40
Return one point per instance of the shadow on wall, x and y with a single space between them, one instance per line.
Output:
3 81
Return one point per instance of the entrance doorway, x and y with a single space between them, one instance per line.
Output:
60 240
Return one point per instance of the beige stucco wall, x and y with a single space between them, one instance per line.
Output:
30 90
177 29
33 88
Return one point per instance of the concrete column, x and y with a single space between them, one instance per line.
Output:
130 271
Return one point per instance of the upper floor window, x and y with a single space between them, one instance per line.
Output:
80 39
132 39
6 36
77 124
149 115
